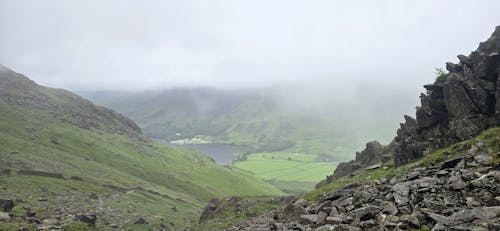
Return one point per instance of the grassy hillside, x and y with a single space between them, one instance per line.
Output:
54 130
278 119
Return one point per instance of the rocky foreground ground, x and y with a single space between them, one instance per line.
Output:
460 193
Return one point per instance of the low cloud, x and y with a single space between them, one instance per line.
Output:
335 45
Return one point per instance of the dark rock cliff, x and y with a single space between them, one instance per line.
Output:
457 106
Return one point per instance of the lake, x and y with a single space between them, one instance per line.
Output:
221 153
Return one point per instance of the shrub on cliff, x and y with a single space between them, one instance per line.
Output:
441 74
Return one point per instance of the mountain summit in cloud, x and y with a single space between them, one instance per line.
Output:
95 45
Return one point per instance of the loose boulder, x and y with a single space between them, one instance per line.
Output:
141 221
4 216
90 219
6 205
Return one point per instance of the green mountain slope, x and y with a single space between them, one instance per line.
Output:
52 130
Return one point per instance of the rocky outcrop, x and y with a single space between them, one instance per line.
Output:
458 106
457 194
372 155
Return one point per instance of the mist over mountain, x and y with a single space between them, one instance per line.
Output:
148 45
268 119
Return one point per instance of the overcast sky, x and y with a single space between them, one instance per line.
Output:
140 45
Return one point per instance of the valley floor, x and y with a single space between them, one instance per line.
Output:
293 173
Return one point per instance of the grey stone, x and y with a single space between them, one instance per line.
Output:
334 211
483 159
335 219
390 208
309 218
456 182
300 203
320 207
471 202
4 216
321 218
473 150
373 167
344 227
441 173
415 219
365 213
324 228
401 191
